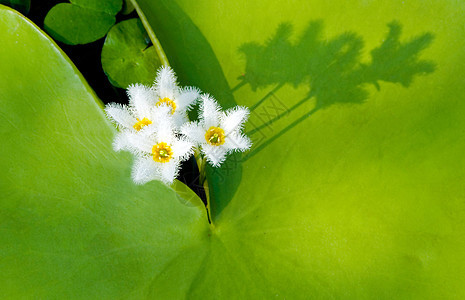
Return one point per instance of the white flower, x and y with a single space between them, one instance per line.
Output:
218 133
168 92
158 150
135 117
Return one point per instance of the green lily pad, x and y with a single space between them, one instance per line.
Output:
72 224
354 185
81 21
127 55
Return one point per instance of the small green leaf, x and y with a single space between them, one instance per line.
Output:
127 55
22 6
72 24
81 21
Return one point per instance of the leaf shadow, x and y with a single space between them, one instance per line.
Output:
332 69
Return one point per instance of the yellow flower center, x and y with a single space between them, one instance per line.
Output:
141 123
215 136
162 152
168 102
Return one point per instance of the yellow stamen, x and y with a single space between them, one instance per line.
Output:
141 123
162 152
215 136
168 102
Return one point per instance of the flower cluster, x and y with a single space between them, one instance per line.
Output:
156 129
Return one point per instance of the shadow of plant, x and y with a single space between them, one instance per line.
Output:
332 68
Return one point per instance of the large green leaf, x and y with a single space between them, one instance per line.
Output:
356 190
72 224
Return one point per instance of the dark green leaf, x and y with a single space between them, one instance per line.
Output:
73 25
82 21
22 6
127 55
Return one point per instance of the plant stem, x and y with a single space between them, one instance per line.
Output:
207 193
151 33
201 164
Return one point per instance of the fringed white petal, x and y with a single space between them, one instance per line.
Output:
140 144
169 171
149 130
187 98
234 118
215 154
182 149
160 114
179 119
121 141
145 169
236 141
141 100
165 132
120 115
162 126
194 132
210 111
165 84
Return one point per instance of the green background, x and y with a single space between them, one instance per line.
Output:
363 198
